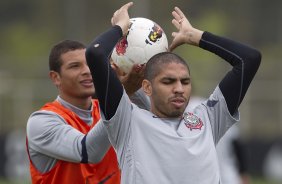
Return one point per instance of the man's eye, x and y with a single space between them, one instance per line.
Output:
167 81
73 66
186 81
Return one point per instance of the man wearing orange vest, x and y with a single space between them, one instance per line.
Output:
63 144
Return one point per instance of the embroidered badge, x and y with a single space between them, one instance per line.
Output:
192 121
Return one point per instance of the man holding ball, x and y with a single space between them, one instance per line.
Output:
169 143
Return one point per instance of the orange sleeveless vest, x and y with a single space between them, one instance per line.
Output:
105 172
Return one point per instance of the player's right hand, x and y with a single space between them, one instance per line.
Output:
121 18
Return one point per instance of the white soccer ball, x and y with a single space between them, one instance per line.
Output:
145 38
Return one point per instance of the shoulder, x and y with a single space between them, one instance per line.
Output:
40 121
41 115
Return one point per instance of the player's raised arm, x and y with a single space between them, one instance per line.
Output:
244 59
108 87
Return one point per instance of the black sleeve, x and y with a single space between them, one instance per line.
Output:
245 61
108 88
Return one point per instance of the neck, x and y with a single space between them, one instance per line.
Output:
82 103
166 116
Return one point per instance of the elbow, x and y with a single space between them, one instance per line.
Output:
93 53
255 57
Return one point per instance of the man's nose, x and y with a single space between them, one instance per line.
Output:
178 88
86 69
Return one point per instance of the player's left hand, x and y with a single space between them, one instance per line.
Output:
186 32
131 81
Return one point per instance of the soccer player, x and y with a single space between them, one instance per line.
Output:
66 141
170 144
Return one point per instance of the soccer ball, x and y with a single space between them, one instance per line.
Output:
145 38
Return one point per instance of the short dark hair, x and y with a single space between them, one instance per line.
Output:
155 63
60 48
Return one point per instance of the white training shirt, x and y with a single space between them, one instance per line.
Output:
152 150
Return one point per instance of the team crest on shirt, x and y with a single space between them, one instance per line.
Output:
192 121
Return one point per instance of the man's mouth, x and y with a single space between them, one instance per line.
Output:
178 102
87 82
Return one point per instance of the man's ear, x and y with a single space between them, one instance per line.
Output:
147 87
55 77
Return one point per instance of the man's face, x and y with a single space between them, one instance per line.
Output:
74 79
171 90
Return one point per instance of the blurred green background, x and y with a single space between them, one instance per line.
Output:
30 28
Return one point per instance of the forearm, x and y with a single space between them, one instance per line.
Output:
96 143
49 135
108 87
245 61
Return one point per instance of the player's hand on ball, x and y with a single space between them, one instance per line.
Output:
121 18
144 39
131 81
118 71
